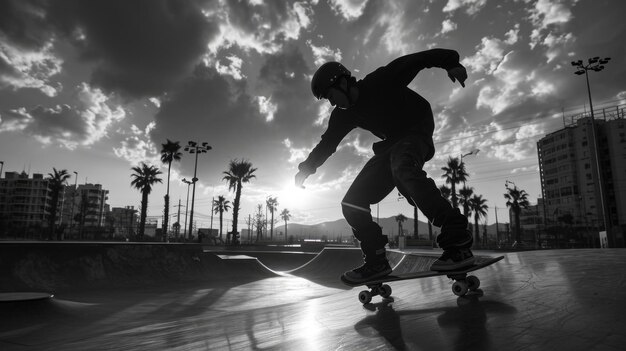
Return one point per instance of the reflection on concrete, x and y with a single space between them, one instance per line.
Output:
543 300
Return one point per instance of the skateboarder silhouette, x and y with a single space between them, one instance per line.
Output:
383 104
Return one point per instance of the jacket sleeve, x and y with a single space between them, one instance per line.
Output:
334 134
405 68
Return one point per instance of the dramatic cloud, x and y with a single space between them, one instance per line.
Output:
26 68
471 6
260 26
108 81
348 9
85 124
488 56
137 48
322 54
137 147
448 26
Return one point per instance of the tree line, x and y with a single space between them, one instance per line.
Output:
240 172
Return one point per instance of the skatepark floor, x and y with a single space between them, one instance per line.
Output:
532 300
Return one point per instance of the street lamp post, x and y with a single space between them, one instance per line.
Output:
73 202
596 64
195 148
473 152
188 182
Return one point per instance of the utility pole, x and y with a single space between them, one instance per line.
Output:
178 219
212 210
497 229
186 207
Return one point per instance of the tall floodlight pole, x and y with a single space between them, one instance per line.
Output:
596 64
73 202
195 148
188 182
1 168
473 152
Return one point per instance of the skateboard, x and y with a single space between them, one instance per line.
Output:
461 286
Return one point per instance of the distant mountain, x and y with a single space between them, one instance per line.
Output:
340 228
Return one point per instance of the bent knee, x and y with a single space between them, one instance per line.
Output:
352 210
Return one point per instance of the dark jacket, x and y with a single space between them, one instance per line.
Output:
386 107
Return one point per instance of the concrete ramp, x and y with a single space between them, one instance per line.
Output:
329 265
531 300
59 267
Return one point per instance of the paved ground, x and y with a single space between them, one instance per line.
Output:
535 300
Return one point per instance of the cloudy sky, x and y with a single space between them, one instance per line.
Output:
97 86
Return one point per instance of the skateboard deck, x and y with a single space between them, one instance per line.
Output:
461 286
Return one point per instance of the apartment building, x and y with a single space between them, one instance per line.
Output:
24 203
84 206
124 221
570 177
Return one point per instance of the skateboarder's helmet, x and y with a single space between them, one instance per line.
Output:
326 76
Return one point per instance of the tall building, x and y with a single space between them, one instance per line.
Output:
84 206
124 221
569 173
24 204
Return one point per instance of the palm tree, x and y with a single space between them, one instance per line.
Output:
272 205
454 174
466 196
239 172
220 206
144 177
285 215
400 219
169 153
517 199
479 207
56 181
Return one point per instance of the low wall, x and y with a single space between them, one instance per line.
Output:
56 267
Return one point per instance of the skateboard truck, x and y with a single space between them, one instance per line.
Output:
461 286
464 283
381 289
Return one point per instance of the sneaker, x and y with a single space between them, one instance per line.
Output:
453 259
459 239
368 271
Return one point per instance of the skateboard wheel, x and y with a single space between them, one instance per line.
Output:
459 288
385 291
473 283
365 297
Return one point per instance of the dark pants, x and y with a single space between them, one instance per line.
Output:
400 165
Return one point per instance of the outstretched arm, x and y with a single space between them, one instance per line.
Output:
336 131
405 68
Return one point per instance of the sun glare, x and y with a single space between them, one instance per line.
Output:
293 197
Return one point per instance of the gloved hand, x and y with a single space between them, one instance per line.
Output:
301 176
458 73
